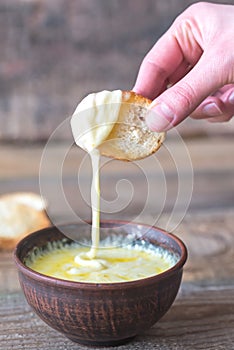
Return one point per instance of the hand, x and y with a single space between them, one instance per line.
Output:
195 58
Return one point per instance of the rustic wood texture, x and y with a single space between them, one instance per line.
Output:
201 319
203 315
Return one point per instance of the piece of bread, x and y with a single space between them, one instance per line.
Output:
130 138
20 214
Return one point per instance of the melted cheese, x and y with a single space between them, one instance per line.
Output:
95 117
111 264
91 124
95 203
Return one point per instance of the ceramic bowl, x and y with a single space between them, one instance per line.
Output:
100 314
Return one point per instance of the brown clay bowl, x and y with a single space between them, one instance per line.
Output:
100 314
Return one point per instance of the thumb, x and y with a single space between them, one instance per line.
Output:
177 102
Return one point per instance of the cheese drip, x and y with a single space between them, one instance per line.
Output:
91 123
95 202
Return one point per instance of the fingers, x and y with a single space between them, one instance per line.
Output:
178 102
179 73
170 58
195 62
167 62
158 65
219 107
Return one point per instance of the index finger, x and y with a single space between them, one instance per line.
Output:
161 61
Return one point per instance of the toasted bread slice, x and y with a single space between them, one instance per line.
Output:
130 138
20 214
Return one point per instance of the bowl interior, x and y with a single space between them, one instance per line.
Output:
113 234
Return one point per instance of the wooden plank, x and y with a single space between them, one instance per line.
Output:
8 274
201 319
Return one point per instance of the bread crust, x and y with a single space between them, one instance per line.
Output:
130 138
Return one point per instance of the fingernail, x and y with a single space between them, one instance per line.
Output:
231 98
160 117
212 109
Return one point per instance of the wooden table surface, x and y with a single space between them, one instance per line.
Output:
202 317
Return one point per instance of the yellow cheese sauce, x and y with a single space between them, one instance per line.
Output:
117 264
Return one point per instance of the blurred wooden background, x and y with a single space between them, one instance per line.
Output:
55 52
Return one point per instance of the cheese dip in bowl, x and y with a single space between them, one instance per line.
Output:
108 300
